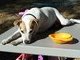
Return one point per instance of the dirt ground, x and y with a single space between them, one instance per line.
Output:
8 13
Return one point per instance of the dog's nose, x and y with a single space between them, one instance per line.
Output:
27 42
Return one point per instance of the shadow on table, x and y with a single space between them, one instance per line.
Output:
74 41
57 26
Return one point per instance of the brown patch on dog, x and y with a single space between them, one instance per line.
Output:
33 25
21 25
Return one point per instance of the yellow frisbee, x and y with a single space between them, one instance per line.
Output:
61 37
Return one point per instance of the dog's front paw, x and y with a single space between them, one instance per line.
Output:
14 43
4 42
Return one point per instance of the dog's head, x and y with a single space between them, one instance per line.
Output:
27 29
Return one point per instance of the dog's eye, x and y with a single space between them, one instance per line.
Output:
30 31
22 31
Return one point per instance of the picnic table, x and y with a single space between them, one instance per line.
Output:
45 46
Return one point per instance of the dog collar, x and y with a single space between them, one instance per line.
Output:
32 15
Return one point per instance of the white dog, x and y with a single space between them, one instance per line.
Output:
37 20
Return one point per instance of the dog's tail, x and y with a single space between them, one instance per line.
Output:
63 20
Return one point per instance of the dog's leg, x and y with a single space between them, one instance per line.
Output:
17 41
11 38
75 20
62 20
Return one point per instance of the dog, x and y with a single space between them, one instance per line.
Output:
36 20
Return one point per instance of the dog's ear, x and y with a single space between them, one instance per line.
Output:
21 25
34 23
17 22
